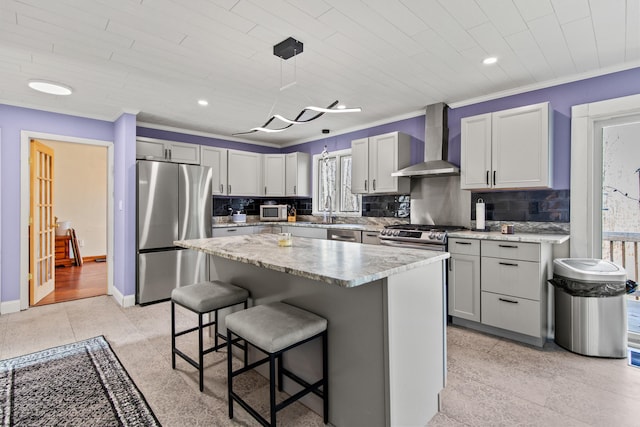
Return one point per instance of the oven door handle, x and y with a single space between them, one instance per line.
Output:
437 248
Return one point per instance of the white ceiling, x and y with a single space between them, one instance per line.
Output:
390 57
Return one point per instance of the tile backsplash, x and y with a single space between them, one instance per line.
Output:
251 206
392 206
531 205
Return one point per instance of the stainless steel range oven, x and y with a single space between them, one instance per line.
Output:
420 236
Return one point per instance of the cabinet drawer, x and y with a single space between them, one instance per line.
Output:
511 313
464 246
510 277
511 250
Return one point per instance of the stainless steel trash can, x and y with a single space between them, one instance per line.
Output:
590 307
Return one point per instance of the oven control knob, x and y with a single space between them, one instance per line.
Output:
432 235
396 233
439 236
385 232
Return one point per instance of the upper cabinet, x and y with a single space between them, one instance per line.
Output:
216 158
297 171
274 174
507 149
244 173
374 159
168 151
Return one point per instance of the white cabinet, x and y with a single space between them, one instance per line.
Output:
170 151
297 172
374 159
310 232
244 173
232 231
216 158
274 174
507 149
514 286
464 279
370 237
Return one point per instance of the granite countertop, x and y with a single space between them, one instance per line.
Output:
344 264
517 237
361 227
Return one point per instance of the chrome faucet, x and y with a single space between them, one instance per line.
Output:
328 207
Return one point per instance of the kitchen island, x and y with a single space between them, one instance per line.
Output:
385 312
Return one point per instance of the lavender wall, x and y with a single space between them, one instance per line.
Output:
562 98
413 126
13 120
124 262
204 140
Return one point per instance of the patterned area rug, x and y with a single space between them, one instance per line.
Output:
82 383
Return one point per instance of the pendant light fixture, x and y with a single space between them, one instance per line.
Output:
286 49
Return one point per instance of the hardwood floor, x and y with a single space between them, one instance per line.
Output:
73 282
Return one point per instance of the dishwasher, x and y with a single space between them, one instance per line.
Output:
344 235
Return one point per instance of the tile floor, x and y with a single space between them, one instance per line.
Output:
491 381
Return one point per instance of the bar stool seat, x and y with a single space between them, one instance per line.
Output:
203 298
273 329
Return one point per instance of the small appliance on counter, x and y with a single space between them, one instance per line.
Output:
273 212
239 218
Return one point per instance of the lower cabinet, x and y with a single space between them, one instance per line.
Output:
232 231
310 232
500 287
464 279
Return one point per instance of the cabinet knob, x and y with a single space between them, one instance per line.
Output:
508 300
365 185
494 177
221 188
374 185
487 178
295 190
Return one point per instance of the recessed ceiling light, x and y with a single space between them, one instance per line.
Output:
203 102
490 60
50 87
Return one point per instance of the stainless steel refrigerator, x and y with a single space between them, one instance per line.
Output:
173 203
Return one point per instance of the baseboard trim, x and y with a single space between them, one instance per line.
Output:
7 307
124 300
515 336
93 258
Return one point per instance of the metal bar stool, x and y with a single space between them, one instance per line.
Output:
273 329
203 298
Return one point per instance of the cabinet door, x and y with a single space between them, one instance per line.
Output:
511 313
232 231
183 153
384 159
297 170
216 158
520 140
360 166
511 277
150 150
274 174
310 232
244 173
464 286
475 152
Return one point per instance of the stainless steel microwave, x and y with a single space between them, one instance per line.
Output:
273 212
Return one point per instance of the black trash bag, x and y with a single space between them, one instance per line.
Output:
578 288
631 286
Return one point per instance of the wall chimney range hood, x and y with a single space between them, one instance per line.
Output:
436 143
